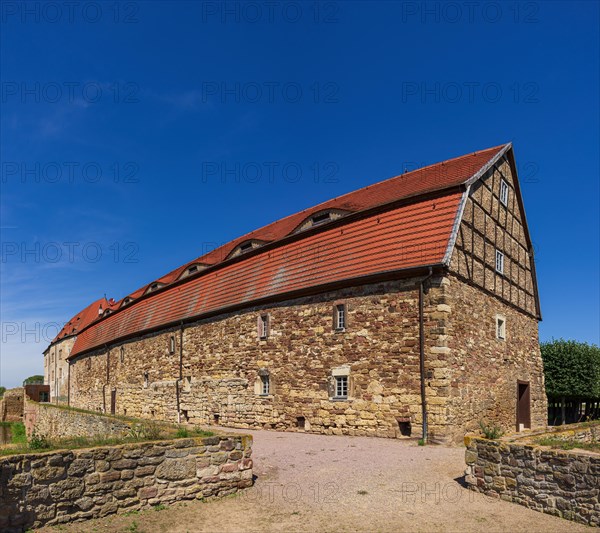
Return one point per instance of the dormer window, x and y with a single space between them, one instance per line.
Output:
192 269
321 219
245 247
126 301
154 286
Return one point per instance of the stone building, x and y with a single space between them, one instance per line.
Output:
409 305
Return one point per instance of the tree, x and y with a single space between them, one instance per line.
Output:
34 379
2 391
572 372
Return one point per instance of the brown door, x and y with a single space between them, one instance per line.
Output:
113 402
523 405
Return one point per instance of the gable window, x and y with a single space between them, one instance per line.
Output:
339 317
341 386
265 385
500 327
172 344
504 192
499 262
122 354
263 327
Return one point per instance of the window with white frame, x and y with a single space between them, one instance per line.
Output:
500 327
263 326
504 192
339 317
499 262
341 386
265 385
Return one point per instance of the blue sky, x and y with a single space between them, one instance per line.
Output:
136 139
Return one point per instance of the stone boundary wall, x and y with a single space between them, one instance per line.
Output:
55 422
11 405
557 482
66 486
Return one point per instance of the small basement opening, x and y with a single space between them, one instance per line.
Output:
405 428
300 422
216 418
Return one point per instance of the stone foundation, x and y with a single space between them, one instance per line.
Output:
65 486
557 482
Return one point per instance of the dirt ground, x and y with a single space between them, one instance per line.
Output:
324 483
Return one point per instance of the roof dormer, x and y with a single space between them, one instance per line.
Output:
245 247
320 218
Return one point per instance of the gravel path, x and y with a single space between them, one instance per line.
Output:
325 483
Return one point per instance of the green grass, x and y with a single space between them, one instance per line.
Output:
562 444
145 431
421 442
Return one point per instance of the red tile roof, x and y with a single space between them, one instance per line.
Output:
414 234
81 320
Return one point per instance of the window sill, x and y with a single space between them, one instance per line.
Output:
339 399
339 330
266 396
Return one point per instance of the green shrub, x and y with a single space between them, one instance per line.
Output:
38 442
490 431
182 433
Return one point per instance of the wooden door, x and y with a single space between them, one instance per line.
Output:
523 405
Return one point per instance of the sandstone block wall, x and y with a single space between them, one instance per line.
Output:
66 486
221 361
58 422
561 483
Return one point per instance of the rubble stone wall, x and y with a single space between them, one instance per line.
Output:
66 486
557 482
55 422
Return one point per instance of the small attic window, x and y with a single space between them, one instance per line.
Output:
126 301
154 286
246 247
192 269
504 192
321 218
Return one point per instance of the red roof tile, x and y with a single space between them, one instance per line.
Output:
412 235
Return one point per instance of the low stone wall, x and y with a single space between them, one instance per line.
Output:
11 405
59 422
557 482
66 486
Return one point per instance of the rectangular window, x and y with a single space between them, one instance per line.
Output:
339 317
122 354
504 192
265 385
172 344
263 326
60 373
499 262
500 328
146 379
341 386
